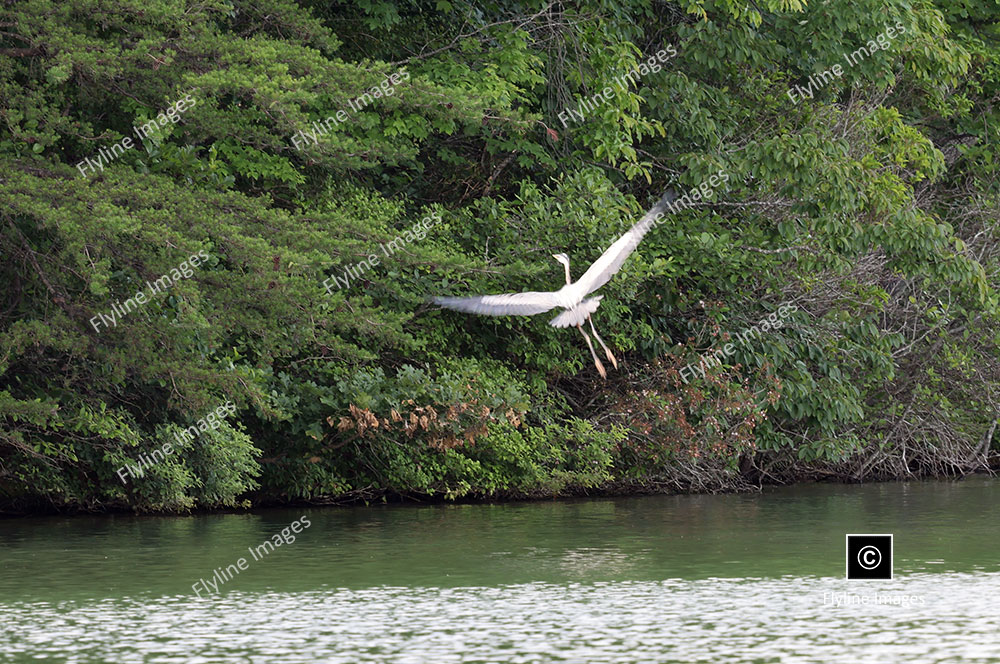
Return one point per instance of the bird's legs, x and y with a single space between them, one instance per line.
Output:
597 361
601 341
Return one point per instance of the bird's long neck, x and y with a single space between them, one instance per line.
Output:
568 280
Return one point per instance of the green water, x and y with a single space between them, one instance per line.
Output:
746 578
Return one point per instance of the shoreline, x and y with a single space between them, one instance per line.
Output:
36 506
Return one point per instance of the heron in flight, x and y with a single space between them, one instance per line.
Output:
573 296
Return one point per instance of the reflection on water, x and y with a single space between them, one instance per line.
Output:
668 578
584 563
709 620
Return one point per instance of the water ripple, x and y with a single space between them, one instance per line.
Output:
954 619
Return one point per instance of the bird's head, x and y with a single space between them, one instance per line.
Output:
564 259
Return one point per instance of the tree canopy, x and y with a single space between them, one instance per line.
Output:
318 136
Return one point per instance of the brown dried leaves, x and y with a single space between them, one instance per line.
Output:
444 428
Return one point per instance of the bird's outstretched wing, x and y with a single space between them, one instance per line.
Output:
509 304
611 260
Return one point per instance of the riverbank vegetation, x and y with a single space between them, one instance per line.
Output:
867 199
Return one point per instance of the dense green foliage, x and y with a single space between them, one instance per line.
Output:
870 203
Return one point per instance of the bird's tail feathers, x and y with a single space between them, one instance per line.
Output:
577 314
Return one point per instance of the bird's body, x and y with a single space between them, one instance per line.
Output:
578 314
573 296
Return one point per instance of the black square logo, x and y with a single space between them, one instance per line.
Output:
869 556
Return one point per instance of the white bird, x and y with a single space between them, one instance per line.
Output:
571 296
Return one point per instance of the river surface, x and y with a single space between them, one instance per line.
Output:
736 578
